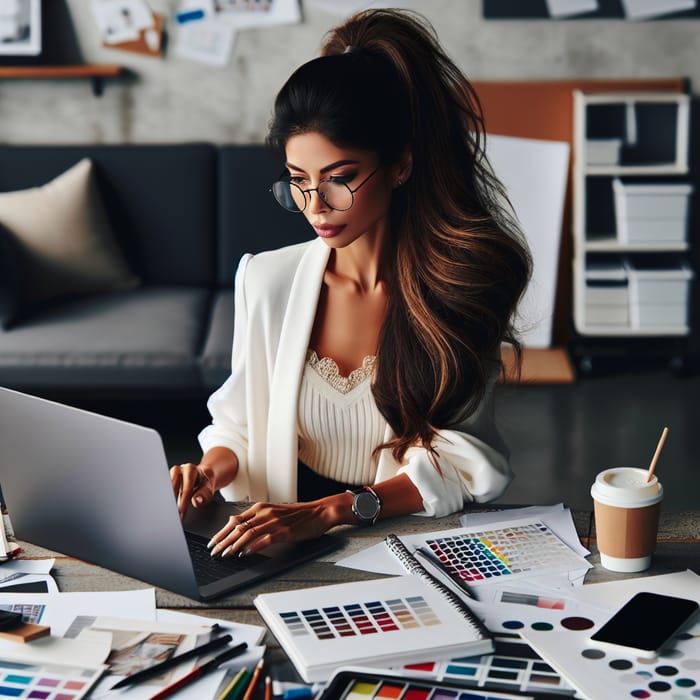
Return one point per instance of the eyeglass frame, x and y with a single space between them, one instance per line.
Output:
307 192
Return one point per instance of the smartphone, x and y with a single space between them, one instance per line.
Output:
10 620
644 624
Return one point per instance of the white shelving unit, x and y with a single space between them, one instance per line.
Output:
630 203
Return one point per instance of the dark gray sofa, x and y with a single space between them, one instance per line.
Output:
183 215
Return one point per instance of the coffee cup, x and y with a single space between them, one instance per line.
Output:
626 508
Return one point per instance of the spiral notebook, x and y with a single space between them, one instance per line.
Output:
378 623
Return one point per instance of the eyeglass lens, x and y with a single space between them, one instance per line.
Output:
336 195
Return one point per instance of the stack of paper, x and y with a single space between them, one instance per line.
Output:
99 637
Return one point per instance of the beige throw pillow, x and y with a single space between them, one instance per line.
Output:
63 239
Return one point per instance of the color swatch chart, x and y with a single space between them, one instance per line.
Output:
514 665
357 619
482 555
44 681
31 612
356 685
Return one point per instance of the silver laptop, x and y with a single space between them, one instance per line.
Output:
99 489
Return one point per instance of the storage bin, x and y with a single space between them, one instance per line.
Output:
603 151
651 213
607 294
659 297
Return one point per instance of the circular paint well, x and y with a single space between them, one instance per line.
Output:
577 623
593 654
513 625
542 626
621 664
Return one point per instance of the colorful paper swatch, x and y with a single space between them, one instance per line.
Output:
514 665
481 555
45 681
356 619
359 685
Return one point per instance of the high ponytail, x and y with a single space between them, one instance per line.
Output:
460 266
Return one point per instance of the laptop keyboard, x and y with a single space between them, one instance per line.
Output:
208 569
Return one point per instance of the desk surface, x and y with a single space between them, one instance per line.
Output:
678 549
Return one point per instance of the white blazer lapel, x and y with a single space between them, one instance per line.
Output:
282 438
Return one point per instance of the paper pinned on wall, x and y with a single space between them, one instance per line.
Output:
648 9
534 173
121 21
243 14
569 8
207 41
345 8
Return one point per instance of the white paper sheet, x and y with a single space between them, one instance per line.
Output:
90 652
279 12
553 573
612 675
206 41
534 173
568 8
58 610
647 9
345 8
121 20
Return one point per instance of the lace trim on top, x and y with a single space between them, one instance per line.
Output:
327 368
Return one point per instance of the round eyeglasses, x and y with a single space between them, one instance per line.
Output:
334 192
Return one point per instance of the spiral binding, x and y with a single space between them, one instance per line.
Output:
413 566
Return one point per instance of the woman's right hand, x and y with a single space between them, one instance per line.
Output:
196 484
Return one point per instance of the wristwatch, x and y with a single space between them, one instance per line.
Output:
366 505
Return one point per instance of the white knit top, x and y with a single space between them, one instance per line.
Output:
339 423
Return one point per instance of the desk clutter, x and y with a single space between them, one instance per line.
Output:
492 609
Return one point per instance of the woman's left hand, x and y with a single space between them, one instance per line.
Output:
264 524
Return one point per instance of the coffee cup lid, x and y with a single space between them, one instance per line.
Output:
626 486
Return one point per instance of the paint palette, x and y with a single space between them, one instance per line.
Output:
514 665
483 555
674 674
45 681
355 684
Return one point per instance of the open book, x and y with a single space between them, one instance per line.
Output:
377 623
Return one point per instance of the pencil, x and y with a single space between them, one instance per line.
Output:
232 684
253 680
237 691
268 688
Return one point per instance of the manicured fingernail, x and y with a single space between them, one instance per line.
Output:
198 500
243 553
226 551
211 543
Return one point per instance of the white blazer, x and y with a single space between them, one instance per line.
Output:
254 413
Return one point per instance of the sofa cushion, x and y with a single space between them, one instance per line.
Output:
161 200
63 242
146 338
215 362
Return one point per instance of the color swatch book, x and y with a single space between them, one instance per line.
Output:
377 623
485 554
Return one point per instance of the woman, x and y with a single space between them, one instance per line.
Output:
364 361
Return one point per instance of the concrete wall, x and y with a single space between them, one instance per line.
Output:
174 99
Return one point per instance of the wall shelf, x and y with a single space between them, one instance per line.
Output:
96 73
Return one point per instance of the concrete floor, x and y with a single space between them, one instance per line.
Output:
560 436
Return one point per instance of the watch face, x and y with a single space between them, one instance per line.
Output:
366 506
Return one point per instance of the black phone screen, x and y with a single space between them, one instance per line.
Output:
646 621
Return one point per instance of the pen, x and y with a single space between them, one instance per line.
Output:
425 556
157 669
253 680
198 671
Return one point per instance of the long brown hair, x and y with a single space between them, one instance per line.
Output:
460 265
